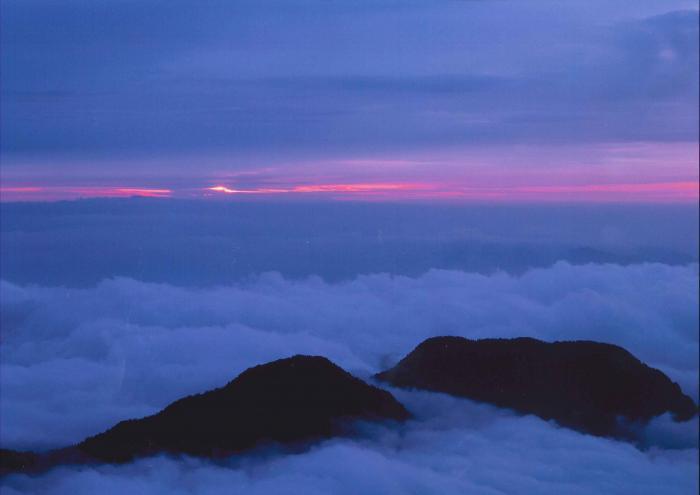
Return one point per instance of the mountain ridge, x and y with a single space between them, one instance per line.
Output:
583 384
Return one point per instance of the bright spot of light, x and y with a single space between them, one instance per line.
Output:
222 189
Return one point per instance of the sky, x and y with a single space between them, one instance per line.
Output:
453 101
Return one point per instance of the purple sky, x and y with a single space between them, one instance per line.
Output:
382 100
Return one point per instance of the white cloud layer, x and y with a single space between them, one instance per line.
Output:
75 361
454 446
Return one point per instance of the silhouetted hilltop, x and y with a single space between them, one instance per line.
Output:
584 385
290 400
294 400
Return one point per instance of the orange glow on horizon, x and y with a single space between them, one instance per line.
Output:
20 189
51 193
326 188
152 193
658 191
222 189
681 191
353 188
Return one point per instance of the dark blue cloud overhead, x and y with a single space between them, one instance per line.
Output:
259 84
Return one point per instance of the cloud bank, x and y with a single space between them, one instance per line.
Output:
74 361
453 447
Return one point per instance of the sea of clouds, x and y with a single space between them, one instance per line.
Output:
74 361
452 447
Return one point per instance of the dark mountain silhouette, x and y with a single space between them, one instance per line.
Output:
583 385
290 401
15 461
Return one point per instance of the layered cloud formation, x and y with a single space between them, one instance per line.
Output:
453 447
84 358
74 361
296 76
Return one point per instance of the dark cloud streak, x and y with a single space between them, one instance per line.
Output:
121 77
